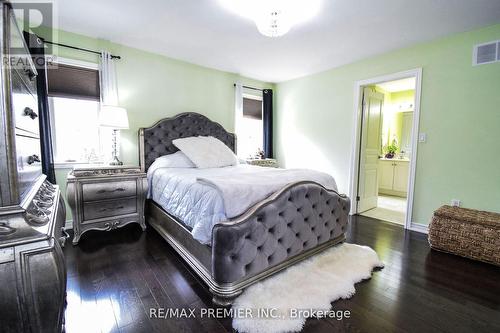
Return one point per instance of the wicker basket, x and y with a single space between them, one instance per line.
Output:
466 232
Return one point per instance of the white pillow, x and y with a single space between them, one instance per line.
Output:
175 160
206 151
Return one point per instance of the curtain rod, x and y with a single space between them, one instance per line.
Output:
252 88
79 48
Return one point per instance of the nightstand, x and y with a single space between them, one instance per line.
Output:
266 162
105 198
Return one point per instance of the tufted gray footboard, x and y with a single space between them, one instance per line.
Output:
294 223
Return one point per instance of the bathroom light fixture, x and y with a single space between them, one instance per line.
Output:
274 18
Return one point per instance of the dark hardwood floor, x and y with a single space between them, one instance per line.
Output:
114 278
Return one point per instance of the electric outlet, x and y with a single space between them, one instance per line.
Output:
455 202
422 137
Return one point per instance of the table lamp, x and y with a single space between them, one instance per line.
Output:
116 118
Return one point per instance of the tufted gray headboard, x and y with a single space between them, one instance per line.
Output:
156 141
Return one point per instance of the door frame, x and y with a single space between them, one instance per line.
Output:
355 149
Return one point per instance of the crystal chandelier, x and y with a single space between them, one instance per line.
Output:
274 18
273 22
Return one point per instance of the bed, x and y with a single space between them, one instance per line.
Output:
292 224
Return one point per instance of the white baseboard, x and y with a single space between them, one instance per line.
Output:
418 227
68 225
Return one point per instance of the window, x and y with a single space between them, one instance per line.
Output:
76 135
74 96
251 132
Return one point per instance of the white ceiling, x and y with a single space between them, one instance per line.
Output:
398 85
205 33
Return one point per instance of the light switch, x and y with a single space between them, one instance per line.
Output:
422 137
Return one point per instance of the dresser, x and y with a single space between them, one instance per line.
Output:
32 214
105 198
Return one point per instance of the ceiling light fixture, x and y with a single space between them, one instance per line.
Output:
274 18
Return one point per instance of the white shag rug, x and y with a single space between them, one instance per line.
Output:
311 284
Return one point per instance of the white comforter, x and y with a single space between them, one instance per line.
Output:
245 189
202 198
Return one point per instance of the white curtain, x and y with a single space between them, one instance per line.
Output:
109 96
238 110
107 77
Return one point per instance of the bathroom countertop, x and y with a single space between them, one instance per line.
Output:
395 159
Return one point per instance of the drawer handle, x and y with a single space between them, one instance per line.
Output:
119 189
106 209
64 237
33 158
29 112
30 73
40 218
65 233
6 229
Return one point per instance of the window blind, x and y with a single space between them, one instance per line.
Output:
73 82
252 108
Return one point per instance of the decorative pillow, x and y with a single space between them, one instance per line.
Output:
206 151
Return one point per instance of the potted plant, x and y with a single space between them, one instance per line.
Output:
260 154
391 149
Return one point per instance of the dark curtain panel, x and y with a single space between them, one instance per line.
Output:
267 106
36 47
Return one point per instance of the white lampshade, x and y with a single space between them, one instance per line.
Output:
113 116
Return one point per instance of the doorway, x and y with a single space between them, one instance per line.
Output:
384 160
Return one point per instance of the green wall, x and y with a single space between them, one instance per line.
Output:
401 97
460 112
314 115
153 86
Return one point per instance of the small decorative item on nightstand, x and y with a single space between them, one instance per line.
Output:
265 162
106 198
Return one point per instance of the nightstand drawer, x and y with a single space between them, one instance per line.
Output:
109 190
96 210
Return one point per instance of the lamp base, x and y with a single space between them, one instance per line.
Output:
115 161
